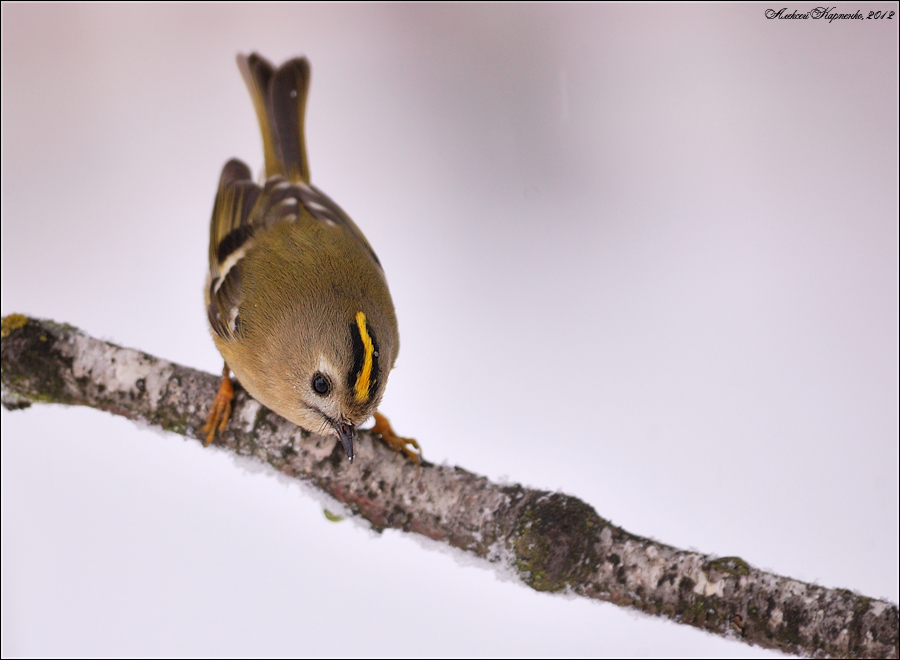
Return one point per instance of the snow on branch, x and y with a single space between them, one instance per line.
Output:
551 541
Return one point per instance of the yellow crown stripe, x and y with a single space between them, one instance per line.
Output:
363 380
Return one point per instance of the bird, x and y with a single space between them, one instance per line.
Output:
297 300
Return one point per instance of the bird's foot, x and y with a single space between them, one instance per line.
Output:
220 410
391 439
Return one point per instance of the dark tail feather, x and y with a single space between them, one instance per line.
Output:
287 103
279 97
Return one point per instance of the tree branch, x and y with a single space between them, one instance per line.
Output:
551 541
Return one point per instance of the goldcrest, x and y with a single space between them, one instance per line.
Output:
297 300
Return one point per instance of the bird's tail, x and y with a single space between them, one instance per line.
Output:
279 96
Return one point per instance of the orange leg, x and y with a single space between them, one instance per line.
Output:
220 410
383 428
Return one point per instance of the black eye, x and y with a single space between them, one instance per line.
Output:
320 384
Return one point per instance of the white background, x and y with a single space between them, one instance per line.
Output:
646 255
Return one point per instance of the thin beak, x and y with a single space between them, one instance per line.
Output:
346 433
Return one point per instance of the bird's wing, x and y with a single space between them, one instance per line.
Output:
242 210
